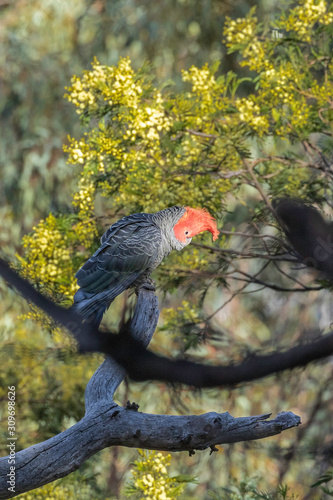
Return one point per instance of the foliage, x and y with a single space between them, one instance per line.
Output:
324 480
288 63
50 383
80 486
53 492
44 43
213 139
154 148
248 490
151 479
49 248
141 146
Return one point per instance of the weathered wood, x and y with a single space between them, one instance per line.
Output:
107 424
64 453
105 381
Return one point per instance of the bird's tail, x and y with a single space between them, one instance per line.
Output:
89 309
94 318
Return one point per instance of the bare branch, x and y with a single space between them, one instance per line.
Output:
114 425
257 184
202 134
247 255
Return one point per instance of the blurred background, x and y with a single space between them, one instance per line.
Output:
43 44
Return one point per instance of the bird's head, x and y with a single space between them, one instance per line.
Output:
193 222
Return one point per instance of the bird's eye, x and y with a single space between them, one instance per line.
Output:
186 233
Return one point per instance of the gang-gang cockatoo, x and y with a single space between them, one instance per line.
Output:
130 250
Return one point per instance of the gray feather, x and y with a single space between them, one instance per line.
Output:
130 249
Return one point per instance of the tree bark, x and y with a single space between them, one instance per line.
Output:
107 424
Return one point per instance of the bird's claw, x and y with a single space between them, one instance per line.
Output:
148 284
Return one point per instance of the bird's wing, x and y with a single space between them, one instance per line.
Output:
128 223
127 251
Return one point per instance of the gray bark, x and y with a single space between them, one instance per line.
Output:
107 424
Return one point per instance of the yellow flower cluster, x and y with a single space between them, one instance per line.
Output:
280 82
48 491
240 31
304 16
80 96
132 149
86 233
47 257
78 151
279 88
241 34
92 152
185 313
202 79
250 113
255 55
151 476
283 86
299 116
324 93
149 122
85 196
105 85
205 94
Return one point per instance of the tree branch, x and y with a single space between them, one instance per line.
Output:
105 381
107 424
142 364
111 426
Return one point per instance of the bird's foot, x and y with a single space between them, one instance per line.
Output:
132 406
147 284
